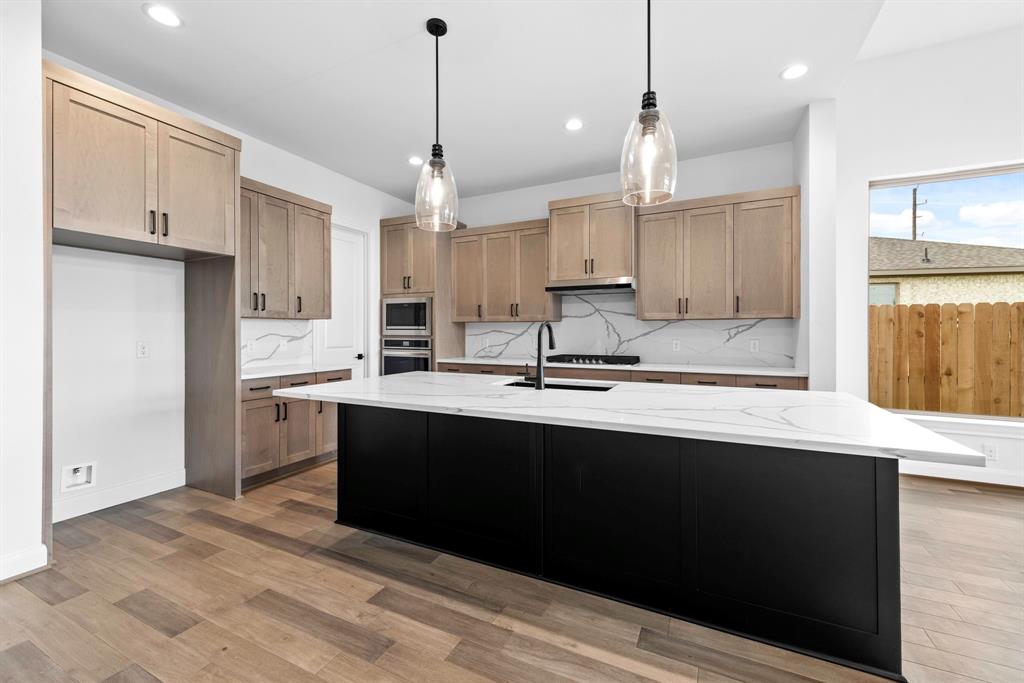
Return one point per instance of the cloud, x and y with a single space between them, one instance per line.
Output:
993 214
898 224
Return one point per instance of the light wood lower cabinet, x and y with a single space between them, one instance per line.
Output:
654 377
708 380
765 382
279 434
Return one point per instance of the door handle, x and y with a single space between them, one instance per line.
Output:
300 303
360 356
152 221
285 418
167 224
263 302
277 412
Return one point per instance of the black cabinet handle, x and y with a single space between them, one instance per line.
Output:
517 310
766 386
300 303
708 382
320 408
277 412
737 303
285 418
255 301
585 271
452 370
167 224
259 388
654 379
591 266
686 305
298 384
263 302
679 306
152 221
479 311
511 310
486 372
410 282
335 379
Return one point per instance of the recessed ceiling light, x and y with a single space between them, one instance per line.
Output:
573 124
415 161
162 14
793 71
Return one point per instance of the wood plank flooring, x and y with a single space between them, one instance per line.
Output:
186 586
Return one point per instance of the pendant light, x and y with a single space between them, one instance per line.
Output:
437 201
649 153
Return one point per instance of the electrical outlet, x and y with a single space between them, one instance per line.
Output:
282 345
755 345
675 344
141 349
250 346
991 451
78 476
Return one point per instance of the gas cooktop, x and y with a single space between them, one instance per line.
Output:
588 359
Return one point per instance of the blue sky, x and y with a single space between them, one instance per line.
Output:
986 210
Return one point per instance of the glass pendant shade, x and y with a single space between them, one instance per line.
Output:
648 170
437 201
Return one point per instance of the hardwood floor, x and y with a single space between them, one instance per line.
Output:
186 586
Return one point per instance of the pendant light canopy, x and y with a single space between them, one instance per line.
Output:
437 201
649 153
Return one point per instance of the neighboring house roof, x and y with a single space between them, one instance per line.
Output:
889 256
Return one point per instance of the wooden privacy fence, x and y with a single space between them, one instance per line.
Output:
951 358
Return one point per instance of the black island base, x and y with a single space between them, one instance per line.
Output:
795 548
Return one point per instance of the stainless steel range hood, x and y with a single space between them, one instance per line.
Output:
606 285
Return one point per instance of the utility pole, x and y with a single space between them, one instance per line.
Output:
913 214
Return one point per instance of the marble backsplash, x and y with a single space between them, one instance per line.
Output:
607 324
276 342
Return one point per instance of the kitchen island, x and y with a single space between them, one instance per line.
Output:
771 514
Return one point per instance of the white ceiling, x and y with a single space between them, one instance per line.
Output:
349 85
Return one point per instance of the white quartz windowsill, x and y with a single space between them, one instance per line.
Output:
821 421
760 370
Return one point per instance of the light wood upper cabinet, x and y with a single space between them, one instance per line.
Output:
104 167
274 280
311 254
763 258
468 278
422 260
611 240
248 249
707 253
499 276
197 189
408 260
568 244
659 257
532 302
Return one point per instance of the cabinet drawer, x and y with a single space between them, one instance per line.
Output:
708 380
758 382
334 376
289 381
654 377
262 387
586 373
471 368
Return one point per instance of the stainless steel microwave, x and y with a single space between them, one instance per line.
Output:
406 317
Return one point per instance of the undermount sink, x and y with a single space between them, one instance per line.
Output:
562 385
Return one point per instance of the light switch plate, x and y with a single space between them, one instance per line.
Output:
675 344
755 345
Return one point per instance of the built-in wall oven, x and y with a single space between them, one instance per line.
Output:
405 355
406 317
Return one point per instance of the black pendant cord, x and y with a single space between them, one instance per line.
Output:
648 45
437 91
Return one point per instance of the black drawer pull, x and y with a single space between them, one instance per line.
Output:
298 384
259 388
452 370
766 386
654 379
486 372
708 382
335 379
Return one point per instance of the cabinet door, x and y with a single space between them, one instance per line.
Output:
659 240
468 278
298 424
568 253
499 276
763 259
612 512
275 220
311 248
261 436
248 251
422 256
532 302
104 167
394 262
198 183
611 240
326 427
707 263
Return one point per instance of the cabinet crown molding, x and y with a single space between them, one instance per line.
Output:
406 220
284 195
718 200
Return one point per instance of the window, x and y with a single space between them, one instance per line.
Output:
946 274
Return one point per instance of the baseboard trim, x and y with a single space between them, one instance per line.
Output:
983 475
22 562
98 499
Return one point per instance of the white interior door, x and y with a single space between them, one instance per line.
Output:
341 341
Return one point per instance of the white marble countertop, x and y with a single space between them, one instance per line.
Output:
761 370
285 370
808 420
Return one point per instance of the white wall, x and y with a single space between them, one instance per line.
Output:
125 413
756 168
21 290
